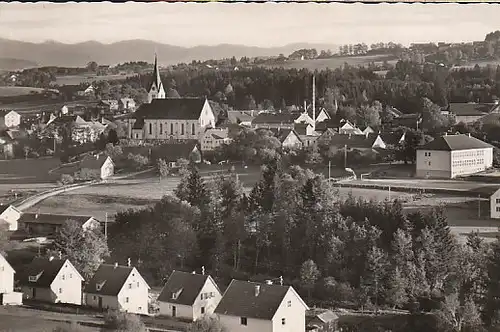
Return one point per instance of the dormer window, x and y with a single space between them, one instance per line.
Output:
99 286
175 295
35 277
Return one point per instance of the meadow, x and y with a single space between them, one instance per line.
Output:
28 171
336 62
13 91
87 79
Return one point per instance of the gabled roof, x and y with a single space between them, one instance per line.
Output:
282 134
240 300
51 219
172 108
94 162
323 315
240 116
469 109
46 268
455 143
354 141
187 286
301 128
276 118
138 124
111 278
5 207
174 151
391 138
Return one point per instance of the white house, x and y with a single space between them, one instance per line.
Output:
10 119
347 128
10 215
7 294
118 287
126 104
450 156
173 118
495 205
100 163
289 139
51 280
250 306
213 138
189 295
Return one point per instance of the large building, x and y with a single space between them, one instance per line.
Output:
450 156
156 90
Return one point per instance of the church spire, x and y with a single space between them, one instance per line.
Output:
156 90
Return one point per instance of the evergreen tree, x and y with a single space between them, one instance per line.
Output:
491 310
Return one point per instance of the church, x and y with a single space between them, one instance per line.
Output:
164 118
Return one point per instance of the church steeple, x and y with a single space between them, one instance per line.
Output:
156 90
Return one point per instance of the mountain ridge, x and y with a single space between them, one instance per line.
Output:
54 53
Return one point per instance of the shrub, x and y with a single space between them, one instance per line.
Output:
86 174
123 322
138 161
208 323
67 179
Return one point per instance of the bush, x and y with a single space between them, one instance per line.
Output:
138 161
72 327
208 323
86 174
67 179
123 322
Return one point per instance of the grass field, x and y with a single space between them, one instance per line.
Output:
336 62
27 171
78 79
40 106
12 91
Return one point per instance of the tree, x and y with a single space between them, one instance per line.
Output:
113 137
86 249
162 168
4 237
491 311
138 161
309 274
207 323
192 189
72 327
457 316
396 289
123 322
113 151
92 66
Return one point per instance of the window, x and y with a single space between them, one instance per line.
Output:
63 277
71 275
289 304
193 129
126 300
95 297
150 129
429 163
138 284
243 321
129 286
283 322
182 128
202 310
161 128
171 128
498 200
498 209
60 290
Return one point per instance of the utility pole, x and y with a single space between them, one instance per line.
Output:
479 206
389 193
345 156
329 170
106 227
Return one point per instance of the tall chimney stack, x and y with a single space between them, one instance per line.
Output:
129 263
314 102
116 265
257 290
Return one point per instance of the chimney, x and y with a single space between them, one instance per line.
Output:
257 290
366 134
128 262
203 270
116 265
469 135
194 272
60 254
51 258
36 215
269 282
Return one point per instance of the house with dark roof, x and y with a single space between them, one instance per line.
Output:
251 306
346 127
118 287
47 224
412 121
289 138
243 118
356 142
171 152
10 215
100 163
7 294
126 104
274 121
189 295
451 156
467 112
51 280
173 118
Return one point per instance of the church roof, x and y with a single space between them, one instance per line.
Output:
173 109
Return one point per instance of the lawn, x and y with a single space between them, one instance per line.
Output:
41 105
336 62
78 79
28 171
12 91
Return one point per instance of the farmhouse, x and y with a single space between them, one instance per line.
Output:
468 112
99 163
9 119
51 280
176 119
243 118
450 156
250 306
412 121
171 152
274 121
118 287
213 138
46 224
356 142
10 215
189 295
7 294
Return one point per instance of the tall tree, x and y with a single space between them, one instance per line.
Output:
309 274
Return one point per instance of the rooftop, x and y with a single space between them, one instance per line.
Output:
187 286
455 143
45 268
110 277
274 118
172 108
93 161
51 219
469 109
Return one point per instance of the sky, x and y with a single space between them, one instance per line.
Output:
252 24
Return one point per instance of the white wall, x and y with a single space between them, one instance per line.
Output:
294 313
12 119
11 216
108 302
6 276
107 169
465 162
233 324
166 130
433 164
208 303
182 311
133 297
69 282
207 116
495 205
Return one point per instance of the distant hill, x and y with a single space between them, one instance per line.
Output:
52 53
15 64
